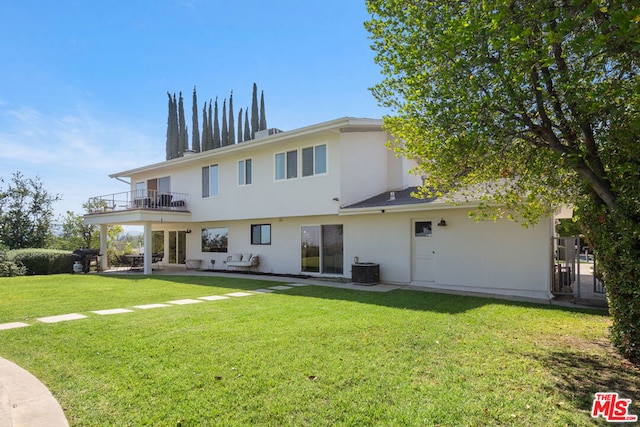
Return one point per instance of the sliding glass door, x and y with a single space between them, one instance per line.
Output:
322 249
177 247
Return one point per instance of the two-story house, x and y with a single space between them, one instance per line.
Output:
314 201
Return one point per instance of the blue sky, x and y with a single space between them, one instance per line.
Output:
83 83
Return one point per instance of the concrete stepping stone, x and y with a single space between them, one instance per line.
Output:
297 284
214 298
12 325
150 306
61 318
263 291
280 288
240 294
113 311
184 301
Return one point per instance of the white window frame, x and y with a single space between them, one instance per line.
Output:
287 166
245 172
314 161
265 234
212 181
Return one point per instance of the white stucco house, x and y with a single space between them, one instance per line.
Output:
314 201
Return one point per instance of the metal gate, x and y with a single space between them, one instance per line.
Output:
566 266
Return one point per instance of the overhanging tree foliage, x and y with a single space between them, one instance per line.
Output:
534 101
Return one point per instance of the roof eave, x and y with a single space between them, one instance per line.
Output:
344 124
413 207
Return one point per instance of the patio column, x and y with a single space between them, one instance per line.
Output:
148 249
104 259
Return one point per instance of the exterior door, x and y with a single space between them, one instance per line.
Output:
423 251
322 249
177 247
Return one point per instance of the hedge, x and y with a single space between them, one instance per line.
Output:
43 261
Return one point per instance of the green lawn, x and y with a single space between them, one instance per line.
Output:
312 356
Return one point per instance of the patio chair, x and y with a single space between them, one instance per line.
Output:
156 261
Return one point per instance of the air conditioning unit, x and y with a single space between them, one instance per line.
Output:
266 132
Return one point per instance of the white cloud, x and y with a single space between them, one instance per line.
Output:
72 153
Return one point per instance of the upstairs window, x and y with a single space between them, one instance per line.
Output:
210 181
314 160
287 165
245 172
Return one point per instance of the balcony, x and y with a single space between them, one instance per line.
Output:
147 200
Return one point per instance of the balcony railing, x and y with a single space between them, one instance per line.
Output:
138 200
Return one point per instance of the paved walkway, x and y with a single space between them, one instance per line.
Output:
26 402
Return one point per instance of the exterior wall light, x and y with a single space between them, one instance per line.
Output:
442 223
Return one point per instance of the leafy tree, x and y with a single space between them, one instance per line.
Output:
76 234
216 126
232 131
255 118
534 101
26 213
263 115
195 131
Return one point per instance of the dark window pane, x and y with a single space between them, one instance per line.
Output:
292 164
307 162
332 249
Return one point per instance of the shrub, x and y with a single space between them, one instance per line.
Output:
10 268
43 261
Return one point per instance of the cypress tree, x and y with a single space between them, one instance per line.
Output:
195 132
263 116
247 131
240 126
168 141
216 126
205 129
183 142
174 129
232 130
225 129
254 112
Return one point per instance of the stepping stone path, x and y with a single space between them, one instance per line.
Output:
186 301
61 318
113 311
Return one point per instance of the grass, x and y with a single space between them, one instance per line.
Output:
307 356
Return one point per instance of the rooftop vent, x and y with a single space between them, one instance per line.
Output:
392 195
266 132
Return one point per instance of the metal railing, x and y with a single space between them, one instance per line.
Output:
137 200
